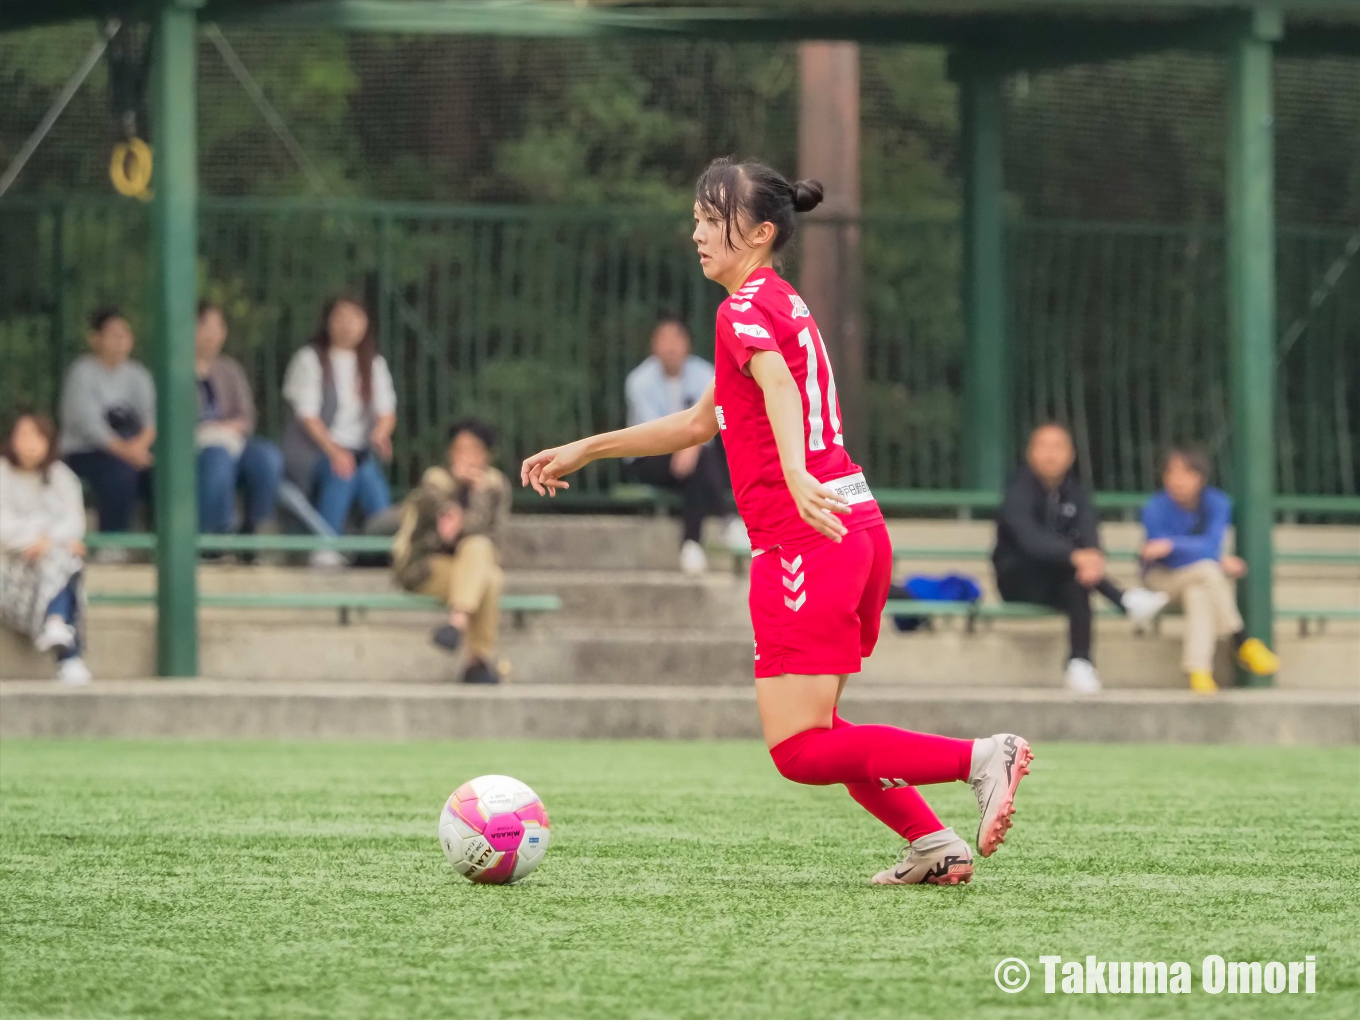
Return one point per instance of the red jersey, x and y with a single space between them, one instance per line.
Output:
766 314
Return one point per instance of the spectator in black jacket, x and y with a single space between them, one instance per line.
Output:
1048 549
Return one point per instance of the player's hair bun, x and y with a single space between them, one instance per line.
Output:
807 195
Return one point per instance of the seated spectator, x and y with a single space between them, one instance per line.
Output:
108 422
1183 557
230 455
452 527
42 524
1048 549
671 380
344 410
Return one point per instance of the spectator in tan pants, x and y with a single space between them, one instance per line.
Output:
1183 557
452 526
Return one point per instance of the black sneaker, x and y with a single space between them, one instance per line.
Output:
447 637
478 672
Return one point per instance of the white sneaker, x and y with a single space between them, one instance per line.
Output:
327 559
73 672
999 763
1081 677
1142 605
56 633
950 863
734 534
693 559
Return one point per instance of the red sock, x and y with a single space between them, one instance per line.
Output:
901 809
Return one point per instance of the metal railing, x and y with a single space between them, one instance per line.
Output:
533 317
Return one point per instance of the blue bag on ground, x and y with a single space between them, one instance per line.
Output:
950 588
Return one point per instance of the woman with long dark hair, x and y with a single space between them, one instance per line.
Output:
42 548
821 559
344 410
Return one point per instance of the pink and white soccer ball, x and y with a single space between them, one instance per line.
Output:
494 830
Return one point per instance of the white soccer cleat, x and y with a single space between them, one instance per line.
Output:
56 633
994 781
693 559
1081 677
73 672
734 534
1142 605
950 864
327 559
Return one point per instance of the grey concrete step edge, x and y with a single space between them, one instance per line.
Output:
220 710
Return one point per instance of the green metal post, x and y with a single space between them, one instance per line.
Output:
987 407
60 273
176 247
1251 309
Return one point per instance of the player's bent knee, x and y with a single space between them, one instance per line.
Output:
790 761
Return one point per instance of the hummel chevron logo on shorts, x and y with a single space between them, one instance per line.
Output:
793 581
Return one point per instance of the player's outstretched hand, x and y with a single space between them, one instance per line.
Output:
544 470
818 505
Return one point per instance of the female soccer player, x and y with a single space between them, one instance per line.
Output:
821 559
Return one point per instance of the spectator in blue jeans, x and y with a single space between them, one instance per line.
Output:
230 455
42 549
108 421
344 410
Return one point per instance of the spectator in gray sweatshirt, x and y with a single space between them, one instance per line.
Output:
108 420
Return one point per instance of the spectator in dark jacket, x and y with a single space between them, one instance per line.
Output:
1183 556
452 527
1048 549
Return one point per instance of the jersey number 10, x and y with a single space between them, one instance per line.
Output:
814 394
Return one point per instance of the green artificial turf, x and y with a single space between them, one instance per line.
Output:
685 880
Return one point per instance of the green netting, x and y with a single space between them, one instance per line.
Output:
533 312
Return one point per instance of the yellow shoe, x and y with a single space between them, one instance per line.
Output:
1202 682
1257 658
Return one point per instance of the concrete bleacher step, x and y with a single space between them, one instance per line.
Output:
629 617
395 647
207 709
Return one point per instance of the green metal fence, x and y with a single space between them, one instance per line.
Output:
534 316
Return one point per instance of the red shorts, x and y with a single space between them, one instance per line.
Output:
820 612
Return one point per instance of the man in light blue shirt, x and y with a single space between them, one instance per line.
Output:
671 380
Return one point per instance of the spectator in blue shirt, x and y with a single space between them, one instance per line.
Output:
671 380
1183 556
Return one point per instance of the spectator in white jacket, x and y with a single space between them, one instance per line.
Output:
344 408
42 549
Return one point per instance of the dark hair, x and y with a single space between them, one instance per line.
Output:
761 193
1050 423
204 307
483 430
670 320
44 425
101 316
364 354
1191 456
